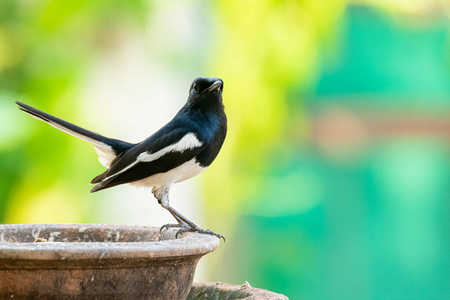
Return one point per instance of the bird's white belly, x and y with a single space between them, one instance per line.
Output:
185 171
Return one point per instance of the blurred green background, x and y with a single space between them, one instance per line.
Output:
334 179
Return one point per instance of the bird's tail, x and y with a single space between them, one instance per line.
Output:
106 148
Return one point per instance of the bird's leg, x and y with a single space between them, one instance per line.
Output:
191 226
180 223
186 225
162 195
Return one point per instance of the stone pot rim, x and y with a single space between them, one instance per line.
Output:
189 244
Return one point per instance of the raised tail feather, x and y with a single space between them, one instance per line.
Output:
106 148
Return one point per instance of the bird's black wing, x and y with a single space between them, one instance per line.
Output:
161 152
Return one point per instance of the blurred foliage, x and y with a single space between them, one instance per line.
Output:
345 215
265 57
44 48
320 193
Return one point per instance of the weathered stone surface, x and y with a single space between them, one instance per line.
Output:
89 261
224 291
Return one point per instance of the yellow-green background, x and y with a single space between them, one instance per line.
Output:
334 180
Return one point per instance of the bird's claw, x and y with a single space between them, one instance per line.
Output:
167 226
186 225
199 230
186 228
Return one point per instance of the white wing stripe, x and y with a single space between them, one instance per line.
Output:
189 141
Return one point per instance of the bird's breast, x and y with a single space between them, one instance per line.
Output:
184 171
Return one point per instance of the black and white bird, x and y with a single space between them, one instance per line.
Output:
180 150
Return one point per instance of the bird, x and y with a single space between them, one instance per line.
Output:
181 149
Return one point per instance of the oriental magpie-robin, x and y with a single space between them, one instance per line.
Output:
182 149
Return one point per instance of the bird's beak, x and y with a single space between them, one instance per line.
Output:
215 86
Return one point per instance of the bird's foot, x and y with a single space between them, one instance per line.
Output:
195 228
187 228
179 225
186 225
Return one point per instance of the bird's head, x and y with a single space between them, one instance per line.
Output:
206 90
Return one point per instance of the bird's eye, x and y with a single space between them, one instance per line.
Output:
195 87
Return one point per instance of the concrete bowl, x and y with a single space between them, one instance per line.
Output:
91 261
